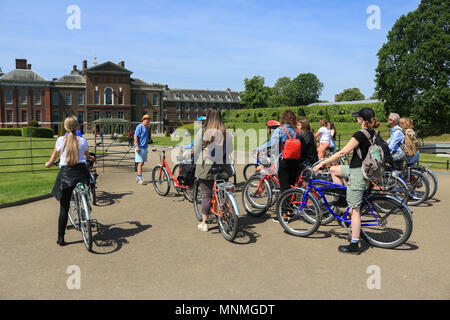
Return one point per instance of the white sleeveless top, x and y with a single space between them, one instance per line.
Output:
82 147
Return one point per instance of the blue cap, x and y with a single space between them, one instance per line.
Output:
201 118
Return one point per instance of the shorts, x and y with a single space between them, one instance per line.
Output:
141 156
356 187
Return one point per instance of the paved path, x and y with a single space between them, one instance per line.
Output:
149 247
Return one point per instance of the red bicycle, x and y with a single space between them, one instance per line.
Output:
260 192
162 178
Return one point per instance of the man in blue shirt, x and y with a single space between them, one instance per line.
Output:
397 137
141 146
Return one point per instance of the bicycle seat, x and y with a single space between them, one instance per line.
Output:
217 169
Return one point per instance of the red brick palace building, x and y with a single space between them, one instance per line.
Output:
100 91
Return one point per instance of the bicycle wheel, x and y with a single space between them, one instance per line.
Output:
85 222
92 195
197 199
256 196
249 170
189 193
385 221
432 179
229 221
395 186
73 214
418 187
161 180
294 221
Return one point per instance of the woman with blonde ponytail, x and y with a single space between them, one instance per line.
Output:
74 152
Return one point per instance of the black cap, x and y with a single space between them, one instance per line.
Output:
365 113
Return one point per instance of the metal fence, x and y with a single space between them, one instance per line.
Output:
32 154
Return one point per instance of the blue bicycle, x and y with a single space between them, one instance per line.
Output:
386 221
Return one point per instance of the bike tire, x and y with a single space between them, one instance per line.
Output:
307 221
189 193
432 178
161 180
73 214
415 181
256 202
394 185
197 200
85 223
394 223
229 221
93 194
249 170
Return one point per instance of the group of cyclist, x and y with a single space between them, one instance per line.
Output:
73 150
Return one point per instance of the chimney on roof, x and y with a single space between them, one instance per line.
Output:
54 79
74 67
84 65
228 89
335 97
122 64
29 66
21 63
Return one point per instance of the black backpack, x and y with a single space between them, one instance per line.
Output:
187 174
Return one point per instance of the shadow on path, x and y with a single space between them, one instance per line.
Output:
110 238
107 198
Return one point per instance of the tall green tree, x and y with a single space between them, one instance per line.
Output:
351 94
413 69
282 93
307 88
256 94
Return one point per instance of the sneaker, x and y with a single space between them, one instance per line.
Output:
202 227
275 220
352 248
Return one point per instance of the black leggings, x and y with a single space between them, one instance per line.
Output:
288 173
64 205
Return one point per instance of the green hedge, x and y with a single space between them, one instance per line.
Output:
334 113
10 132
37 132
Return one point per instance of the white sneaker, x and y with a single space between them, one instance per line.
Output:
202 227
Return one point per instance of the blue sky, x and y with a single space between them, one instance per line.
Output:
201 44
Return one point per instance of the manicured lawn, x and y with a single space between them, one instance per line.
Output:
15 186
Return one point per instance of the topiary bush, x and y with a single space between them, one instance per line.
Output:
37 132
10 131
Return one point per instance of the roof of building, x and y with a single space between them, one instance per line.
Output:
22 75
195 95
344 102
107 67
72 78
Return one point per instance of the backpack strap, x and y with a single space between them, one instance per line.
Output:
369 138
288 132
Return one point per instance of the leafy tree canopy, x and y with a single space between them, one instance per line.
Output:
413 68
352 94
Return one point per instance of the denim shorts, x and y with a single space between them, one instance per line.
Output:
356 187
141 156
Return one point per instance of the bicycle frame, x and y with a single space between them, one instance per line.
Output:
217 189
174 180
331 185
